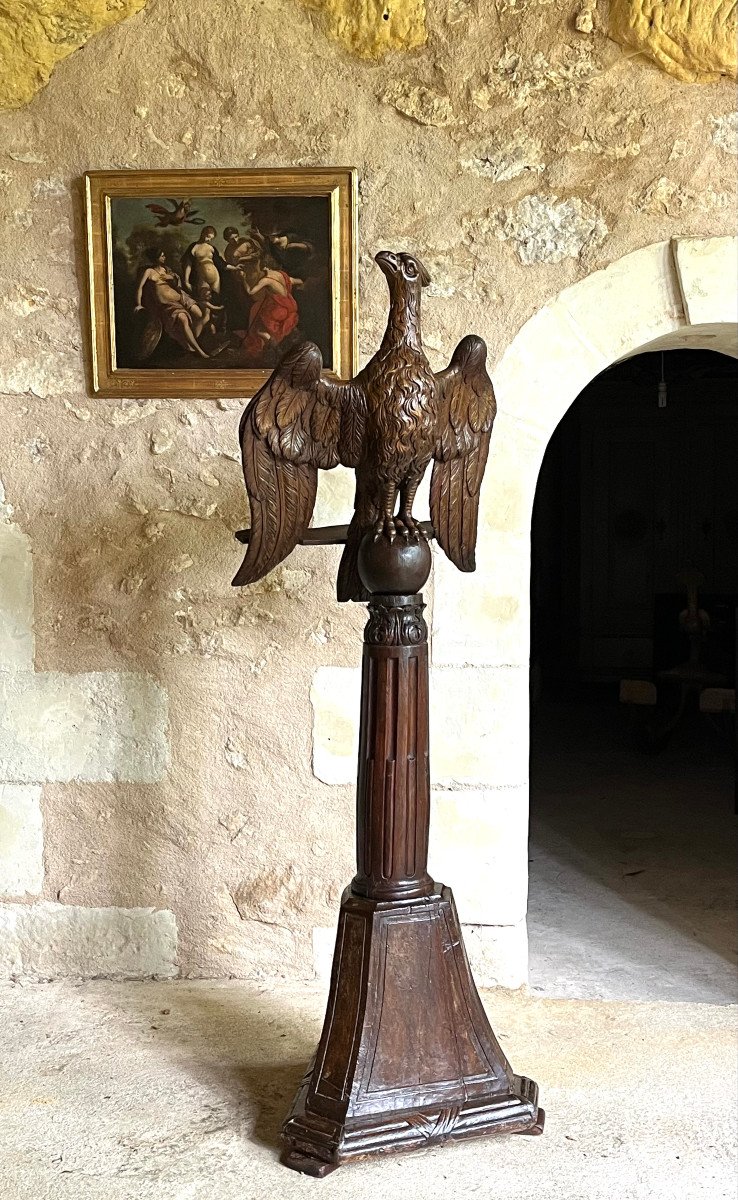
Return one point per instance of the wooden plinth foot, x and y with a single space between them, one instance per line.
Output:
537 1129
407 1057
306 1164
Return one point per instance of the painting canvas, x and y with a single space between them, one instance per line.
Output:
199 286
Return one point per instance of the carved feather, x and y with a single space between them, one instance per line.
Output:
466 413
386 423
292 427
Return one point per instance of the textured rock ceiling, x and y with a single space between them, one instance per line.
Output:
372 27
37 34
694 42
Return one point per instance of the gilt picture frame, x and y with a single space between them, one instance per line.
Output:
199 281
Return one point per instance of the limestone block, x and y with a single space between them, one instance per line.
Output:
57 941
324 944
21 840
708 277
420 104
498 954
370 28
693 42
515 457
725 132
16 598
521 156
525 79
101 726
36 35
479 847
334 503
623 307
720 338
334 696
545 229
484 620
545 368
584 18
478 719
479 726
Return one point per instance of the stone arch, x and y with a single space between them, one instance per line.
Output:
682 293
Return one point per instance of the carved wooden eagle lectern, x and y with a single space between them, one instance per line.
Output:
407 1057
388 423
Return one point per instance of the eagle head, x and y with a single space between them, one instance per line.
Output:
405 267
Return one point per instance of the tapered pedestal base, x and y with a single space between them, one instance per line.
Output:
407 1057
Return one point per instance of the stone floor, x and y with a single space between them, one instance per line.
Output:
175 1091
632 872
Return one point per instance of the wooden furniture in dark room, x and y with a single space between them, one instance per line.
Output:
636 487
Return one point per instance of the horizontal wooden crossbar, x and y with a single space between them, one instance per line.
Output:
327 535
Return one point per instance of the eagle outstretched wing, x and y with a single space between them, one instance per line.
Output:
466 413
296 423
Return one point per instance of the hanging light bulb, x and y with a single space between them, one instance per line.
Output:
662 385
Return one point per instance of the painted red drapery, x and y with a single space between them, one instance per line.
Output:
271 313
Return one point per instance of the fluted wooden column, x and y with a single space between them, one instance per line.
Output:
393 788
407 1056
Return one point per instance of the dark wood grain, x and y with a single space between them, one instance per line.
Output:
388 423
327 535
407 1057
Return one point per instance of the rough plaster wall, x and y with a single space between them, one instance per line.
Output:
513 153
37 34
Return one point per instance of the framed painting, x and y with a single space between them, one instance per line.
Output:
200 280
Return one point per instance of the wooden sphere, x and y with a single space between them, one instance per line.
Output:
395 568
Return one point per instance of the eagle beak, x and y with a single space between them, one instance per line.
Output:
386 261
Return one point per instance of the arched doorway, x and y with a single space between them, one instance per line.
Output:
682 293
632 817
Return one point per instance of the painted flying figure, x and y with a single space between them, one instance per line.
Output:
181 213
387 423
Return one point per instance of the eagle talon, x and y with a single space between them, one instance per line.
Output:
410 527
388 527
402 529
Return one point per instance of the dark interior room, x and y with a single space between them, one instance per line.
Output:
633 743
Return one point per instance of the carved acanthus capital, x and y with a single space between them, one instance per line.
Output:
396 621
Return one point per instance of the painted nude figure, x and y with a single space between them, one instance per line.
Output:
170 308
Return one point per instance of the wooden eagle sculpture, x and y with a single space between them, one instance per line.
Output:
387 423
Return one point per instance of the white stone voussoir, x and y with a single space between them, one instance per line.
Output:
708 279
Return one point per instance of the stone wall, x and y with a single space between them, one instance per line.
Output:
174 799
